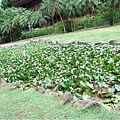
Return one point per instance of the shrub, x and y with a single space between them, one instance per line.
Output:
38 32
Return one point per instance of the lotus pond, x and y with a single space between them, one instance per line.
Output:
88 71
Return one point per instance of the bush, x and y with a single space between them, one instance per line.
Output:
38 32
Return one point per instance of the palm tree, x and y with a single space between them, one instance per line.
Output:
6 25
88 5
47 6
70 11
107 10
38 18
112 7
53 7
59 7
26 20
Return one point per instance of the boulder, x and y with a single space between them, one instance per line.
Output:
40 89
3 83
58 42
31 40
57 94
67 97
112 42
16 85
84 104
74 42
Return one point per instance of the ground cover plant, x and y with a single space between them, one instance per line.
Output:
87 71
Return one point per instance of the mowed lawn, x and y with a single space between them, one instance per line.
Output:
101 34
16 104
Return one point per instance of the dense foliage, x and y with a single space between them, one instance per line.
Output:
7 3
85 70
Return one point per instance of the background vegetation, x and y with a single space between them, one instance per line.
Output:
72 15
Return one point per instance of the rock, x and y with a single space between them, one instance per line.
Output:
58 42
31 40
40 89
3 83
74 42
57 94
112 42
84 43
48 91
23 54
97 43
64 43
16 85
40 40
84 104
117 43
73 102
15 44
53 42
118 109
47 40
67 97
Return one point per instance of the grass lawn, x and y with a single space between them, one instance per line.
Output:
15 104
101 34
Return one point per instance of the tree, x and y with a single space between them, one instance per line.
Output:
7 3
70 11
38 18
107 9
48 9
8 27
52 8
89 6
26 20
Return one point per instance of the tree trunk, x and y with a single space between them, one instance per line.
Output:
74 28
10 37
4 37
111 13
95 19
62 22
53 25
25 34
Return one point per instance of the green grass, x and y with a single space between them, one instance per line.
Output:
15 104
101 34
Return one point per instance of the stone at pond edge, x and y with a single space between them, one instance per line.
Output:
3 83
67 97
112 42
40 89
16 85
57 94
84 104
31 40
